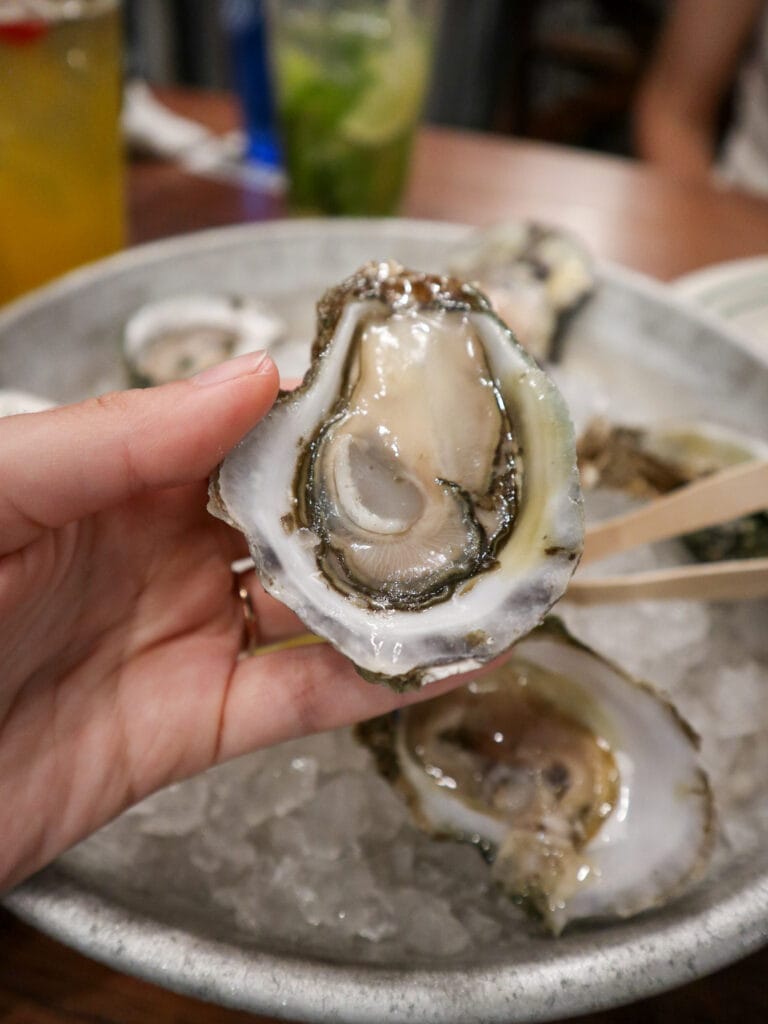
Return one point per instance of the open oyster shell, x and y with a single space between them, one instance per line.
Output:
649 461
415 500
535 276
177 337
580 784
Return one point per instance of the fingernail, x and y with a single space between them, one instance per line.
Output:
242 366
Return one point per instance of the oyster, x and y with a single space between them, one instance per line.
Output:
534 275
581 785
180 336
649 461
415 500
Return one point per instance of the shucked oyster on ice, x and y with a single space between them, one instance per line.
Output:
580 784
535 276
416 500
174 338
650 461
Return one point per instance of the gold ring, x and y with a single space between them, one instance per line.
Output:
250 623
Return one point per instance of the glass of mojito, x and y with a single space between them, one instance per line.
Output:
350 78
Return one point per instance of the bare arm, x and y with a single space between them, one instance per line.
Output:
677 106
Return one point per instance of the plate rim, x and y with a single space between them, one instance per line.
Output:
448 231
694 286
598 976
694 281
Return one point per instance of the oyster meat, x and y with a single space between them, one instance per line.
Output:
535 276
416 499
581 785
178 337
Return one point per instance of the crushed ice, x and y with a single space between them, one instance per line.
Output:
306 847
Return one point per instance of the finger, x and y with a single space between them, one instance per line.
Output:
274 620
290 693
66 463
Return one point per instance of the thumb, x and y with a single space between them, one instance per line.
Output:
63 464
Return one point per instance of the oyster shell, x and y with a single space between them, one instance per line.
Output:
415 500
581 785
534 275
178 337
649 461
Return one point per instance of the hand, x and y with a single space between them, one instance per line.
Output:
679 103
119 624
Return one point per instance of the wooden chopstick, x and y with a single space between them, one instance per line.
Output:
715 499
739 580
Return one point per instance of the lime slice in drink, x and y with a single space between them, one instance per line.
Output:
296 70
391 103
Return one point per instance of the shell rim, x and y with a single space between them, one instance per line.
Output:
361 286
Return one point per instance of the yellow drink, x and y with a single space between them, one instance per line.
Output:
61 168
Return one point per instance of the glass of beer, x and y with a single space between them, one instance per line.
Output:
61 161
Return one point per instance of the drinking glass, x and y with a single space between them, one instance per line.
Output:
61 165
245 24
350 78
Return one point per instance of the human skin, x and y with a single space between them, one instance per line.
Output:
679 101
120 627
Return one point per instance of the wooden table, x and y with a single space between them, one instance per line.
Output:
626 212
623 210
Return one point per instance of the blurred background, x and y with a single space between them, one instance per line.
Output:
559 70
331 129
